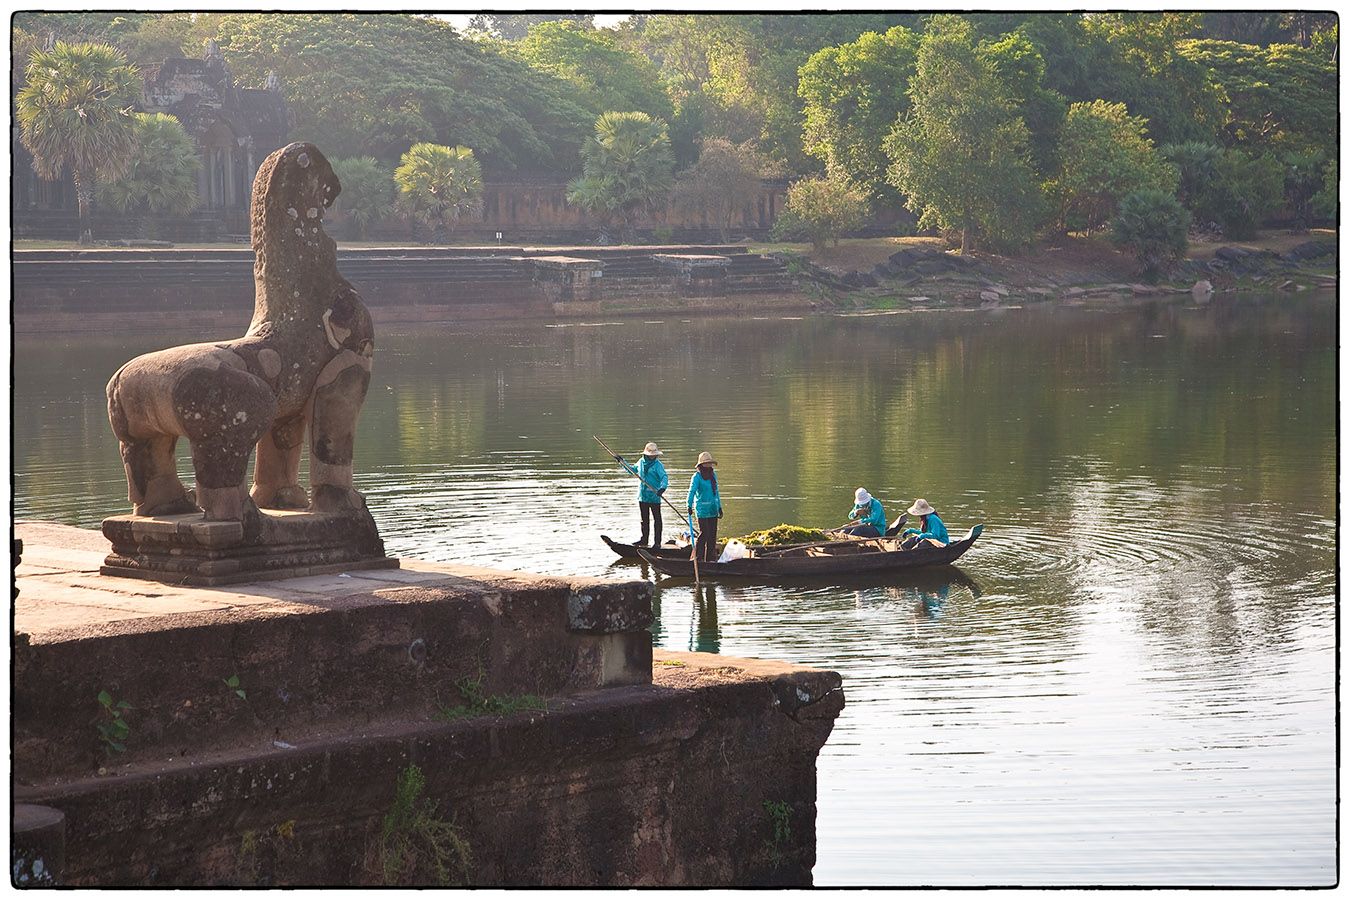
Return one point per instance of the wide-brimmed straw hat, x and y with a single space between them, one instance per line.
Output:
650 450
705 458
921 508
860 496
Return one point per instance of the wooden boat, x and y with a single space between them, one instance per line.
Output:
667 550
670 550
856 557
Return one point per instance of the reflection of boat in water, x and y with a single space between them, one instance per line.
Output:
837 559
932 581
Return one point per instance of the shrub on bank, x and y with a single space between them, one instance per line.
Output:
820 210
1152 224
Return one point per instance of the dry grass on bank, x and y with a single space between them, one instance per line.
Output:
1277 239
852 254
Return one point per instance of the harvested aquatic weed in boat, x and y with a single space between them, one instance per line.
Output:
783 534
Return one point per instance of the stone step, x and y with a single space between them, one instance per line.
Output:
303 652
521 791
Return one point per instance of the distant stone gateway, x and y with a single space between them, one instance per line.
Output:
303 367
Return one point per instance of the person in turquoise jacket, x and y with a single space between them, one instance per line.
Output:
930 526
653 484
705 501
867 510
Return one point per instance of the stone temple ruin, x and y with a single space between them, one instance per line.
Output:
302 368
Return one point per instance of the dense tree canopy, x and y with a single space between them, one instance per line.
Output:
745 68
605 75
515 26
1280 97
375 84
1040 100
853 94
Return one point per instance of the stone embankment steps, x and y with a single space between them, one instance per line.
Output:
287 711
82 289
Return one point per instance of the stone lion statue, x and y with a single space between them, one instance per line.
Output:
303 365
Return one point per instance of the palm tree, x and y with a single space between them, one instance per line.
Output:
367 192
162 179
626 169
439 185
75 113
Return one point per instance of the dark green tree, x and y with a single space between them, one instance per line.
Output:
1197 165
726 178
852 96
1246 191
961 156
1105 154
1017 63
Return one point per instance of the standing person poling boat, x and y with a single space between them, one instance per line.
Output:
930 526
653 482
867 510
705 501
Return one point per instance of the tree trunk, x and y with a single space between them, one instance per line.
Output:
966 243
84 196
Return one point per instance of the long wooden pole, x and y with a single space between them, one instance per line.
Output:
693 553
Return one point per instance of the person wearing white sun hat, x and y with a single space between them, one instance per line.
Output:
930 526
652 485
867 510
705 500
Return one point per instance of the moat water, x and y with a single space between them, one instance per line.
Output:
1131 679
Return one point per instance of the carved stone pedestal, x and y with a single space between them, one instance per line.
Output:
187 549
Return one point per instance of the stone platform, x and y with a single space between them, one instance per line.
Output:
269 723
187 549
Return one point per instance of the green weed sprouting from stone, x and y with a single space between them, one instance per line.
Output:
233 684
269 852
479 703
113 730
415 846
780 825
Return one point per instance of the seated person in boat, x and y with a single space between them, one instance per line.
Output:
930 527
652 484
705 500
867 510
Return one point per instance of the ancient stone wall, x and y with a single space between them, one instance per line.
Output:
93 290
535 211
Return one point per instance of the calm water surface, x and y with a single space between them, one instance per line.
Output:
1129 680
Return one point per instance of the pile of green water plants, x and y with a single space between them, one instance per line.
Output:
782 534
